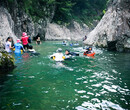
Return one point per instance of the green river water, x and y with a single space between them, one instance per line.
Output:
83 83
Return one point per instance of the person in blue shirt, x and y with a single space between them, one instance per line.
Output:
18 47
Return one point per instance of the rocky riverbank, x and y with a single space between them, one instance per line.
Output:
6 62
113 31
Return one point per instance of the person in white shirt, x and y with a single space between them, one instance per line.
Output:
58 56
8 46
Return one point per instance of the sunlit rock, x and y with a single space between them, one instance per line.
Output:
74 32
114 27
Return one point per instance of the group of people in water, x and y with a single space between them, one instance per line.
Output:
19 47
59 56
25 39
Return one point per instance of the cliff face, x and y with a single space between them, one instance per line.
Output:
23 22
14 21
74 32
6 26
113 31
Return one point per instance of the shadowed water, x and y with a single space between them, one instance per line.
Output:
83 83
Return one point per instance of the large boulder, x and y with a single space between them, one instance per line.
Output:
6 62
114 27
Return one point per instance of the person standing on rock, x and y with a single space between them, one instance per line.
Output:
85 38
8 46
24 40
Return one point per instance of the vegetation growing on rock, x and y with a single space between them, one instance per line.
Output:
6 61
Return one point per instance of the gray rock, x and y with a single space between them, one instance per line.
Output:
74 32
6 26
14 21
114 26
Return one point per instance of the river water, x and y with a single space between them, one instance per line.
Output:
83 83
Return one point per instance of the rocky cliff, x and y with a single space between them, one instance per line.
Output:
75 31
6 26
113 31
14 21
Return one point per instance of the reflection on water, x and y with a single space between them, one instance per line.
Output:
83 83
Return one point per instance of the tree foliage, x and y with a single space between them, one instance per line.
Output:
65 10
80 10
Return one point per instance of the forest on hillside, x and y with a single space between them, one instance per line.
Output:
65 10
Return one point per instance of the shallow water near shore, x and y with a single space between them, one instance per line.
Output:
83 83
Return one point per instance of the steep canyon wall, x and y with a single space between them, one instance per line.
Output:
14 21
113 31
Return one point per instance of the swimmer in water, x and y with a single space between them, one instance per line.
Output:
58 56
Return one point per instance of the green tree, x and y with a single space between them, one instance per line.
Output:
80 10
63 11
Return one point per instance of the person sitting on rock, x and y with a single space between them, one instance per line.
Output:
18 47
85 38
8 46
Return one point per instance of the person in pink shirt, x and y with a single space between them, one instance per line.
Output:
24 40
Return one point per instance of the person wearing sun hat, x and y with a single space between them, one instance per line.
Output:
18 47
58 56
24 40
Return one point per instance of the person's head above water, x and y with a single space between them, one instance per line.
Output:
59 50
90 48
30 47
67 51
